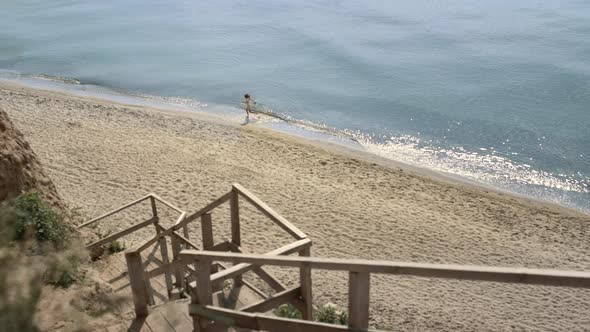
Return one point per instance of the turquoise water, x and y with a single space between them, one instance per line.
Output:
493 91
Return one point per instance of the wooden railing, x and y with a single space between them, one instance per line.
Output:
181 278
209 318
197 270
153 220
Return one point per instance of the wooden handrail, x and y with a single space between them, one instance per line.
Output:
122 233
119 209
162 234
449 271
239 269
206 209
244 267
183 220
285 296
128 205
168 204
269 212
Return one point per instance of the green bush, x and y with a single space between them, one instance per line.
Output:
288 311
36 219
328 313
116 246
62 269
331 313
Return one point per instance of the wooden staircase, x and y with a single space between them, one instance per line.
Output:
170 275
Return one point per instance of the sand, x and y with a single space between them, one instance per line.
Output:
102 154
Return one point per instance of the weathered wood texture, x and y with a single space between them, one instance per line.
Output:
138 285
270 213
286 296
207 231
242 268
358 300
120 234
305 280
449 271
232 318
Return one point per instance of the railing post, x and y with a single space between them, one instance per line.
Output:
178 270
208 242
203 292
155 214
207 231
235 226
138 285
235 217
185 231
358 300
166 261
154 209
305 280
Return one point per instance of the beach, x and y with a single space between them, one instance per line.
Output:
101 155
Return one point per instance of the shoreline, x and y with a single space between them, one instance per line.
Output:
339 148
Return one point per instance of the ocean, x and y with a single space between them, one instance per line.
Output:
496 92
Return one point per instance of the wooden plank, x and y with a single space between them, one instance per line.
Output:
185 231
358 300
204 292
306 286
270 279
184 221
226 317
255 290
178 270
207 231
138 286
153 204
269 212
207 208
246 283
235 218
274 301
243 267
156 322
185 241
176 318
236 238
166 262
170 267
168 204
449 271
267 323
253 321
119 209
120 234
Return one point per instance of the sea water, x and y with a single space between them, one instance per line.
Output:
492 91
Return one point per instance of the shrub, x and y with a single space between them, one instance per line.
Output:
328 313
36 219
63 268
116 246
288 311
331 313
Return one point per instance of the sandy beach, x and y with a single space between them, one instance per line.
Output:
101 155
